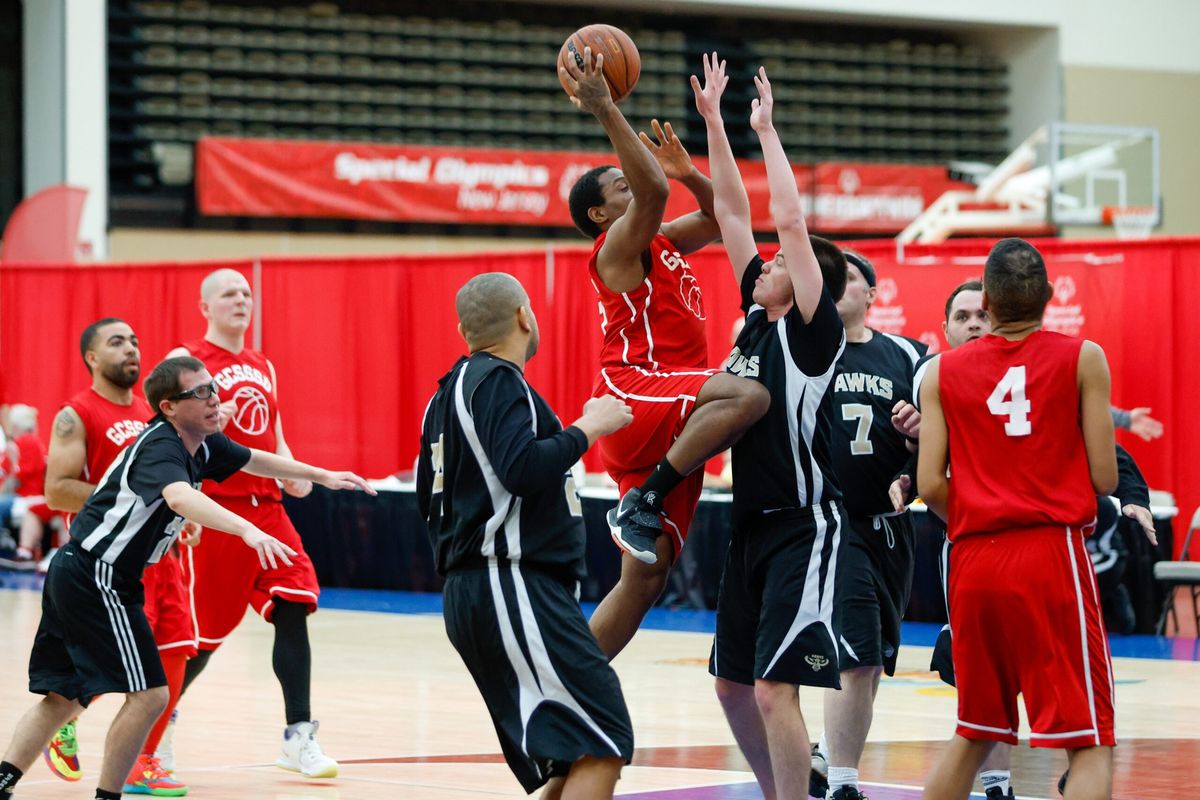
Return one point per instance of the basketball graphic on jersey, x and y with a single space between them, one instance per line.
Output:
253 413
689 290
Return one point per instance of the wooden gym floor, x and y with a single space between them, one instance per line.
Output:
400 713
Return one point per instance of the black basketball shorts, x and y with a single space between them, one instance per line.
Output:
93 638
874 588
776 616
521 633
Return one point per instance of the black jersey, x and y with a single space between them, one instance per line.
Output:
871 378
493 477
784 459
125 522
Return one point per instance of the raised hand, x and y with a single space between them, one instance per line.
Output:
588 88
669 151
708 96
603 415
761 106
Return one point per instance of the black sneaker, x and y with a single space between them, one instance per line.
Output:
635 527
818 778
848 793
996 793
1062 782
20 562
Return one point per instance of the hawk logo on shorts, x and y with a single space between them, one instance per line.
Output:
817 663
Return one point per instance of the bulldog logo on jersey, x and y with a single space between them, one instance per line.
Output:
816 662
253 413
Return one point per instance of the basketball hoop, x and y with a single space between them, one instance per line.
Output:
1131 222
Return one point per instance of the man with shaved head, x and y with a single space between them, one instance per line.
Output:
494 485
225 579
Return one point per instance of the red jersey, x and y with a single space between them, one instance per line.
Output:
31 465
244 377
1017 457
108 428
661 322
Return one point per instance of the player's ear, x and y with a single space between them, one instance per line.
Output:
596 214
984 302
871 291
523 319
463 335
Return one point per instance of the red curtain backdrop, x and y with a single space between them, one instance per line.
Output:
360 343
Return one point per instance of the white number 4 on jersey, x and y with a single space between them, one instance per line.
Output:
1016 408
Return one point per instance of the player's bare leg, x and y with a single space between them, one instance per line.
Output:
591 778
1091 774
787 736
848 716
127 734
725 407
954 774
620 613
746 721
998 764
37 726
553 789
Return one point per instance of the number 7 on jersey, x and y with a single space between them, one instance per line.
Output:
1017 408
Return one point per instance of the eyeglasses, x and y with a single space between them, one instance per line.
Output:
201 392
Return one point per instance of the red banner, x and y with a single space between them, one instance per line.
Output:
271 178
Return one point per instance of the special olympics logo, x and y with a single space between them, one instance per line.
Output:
887 290
849 181
570 175
1064 289
689 290
253 411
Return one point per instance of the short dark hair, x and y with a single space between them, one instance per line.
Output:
163 380
863 263
586 195
973 285
89 335
833 265
1014 278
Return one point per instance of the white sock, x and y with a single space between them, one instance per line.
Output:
996 777
842 776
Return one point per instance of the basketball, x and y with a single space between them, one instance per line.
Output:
622 64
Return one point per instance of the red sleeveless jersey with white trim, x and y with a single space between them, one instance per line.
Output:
1017 457
108 428
661 322
244 377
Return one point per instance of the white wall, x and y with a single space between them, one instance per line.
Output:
66 107
1150 34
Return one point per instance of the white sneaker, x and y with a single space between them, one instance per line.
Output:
302 752
166 745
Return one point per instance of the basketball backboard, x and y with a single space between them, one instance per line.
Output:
1099 171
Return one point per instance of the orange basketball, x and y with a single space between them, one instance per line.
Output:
622 64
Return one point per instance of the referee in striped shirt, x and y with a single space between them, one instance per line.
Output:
94 638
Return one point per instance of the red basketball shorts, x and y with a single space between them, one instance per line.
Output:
168 608
1025 612
224 575
661 401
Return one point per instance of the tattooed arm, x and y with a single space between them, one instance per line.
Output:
64 464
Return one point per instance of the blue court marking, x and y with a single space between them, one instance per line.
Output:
664 619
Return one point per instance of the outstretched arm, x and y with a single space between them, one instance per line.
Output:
799 258
691 231
731 206
619 260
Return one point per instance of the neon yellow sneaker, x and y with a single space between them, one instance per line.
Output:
62 754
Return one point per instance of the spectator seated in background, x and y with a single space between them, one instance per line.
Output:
27 468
